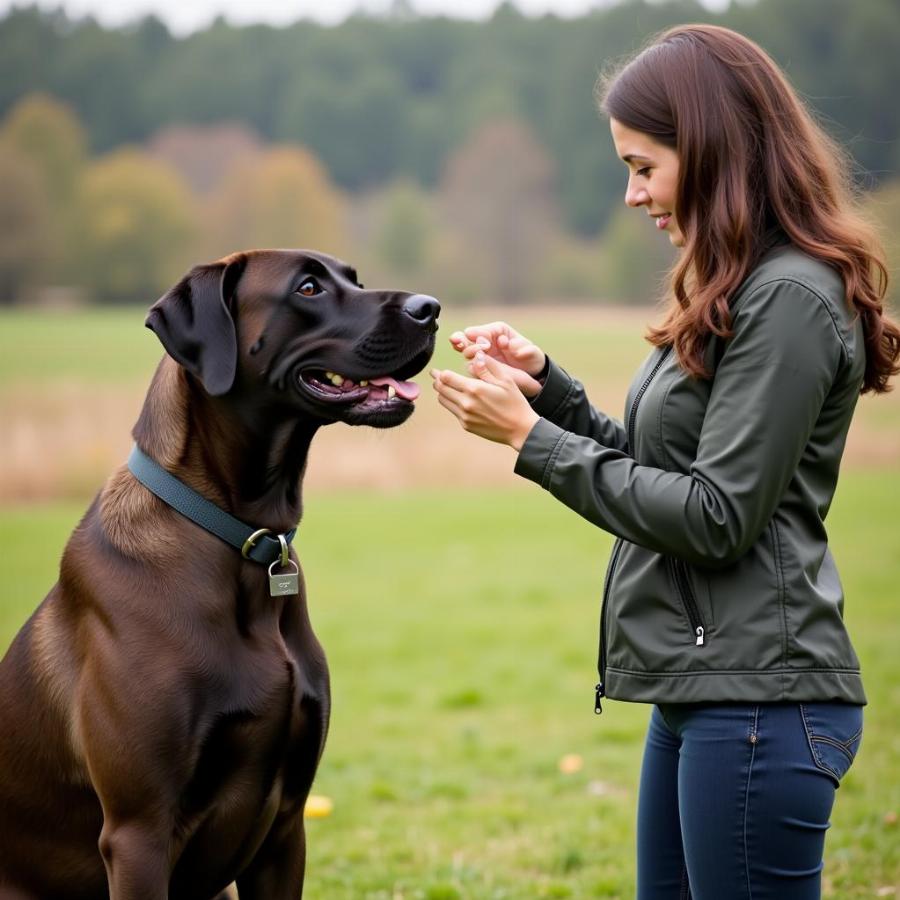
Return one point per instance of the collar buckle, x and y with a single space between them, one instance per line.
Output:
251 541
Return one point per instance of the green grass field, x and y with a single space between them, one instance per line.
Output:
461 630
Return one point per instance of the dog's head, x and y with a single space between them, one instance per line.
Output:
296 329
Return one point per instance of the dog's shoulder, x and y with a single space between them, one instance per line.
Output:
133 520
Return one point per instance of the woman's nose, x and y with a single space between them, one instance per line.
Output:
635 196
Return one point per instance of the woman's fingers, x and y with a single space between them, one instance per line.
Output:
461 390
450 405
455 393
502 342
491 331
489 370
467 347
515 372
518 357
470 351
490 405
528 356
451 380
505 349
460 339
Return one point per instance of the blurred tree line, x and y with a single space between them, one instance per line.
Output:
466 158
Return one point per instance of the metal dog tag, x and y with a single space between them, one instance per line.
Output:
284 584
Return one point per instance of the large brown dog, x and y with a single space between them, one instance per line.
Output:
161 715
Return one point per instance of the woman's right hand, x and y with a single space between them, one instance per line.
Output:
516 353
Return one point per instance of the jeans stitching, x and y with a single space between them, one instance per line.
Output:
853 739
814 739
754 730
811 739
845 749
754 725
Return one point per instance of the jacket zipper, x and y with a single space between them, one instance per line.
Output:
686 592
600 689
632 416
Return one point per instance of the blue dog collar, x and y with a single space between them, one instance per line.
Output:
258 544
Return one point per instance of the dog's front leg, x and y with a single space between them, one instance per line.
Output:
137 753
136 855
276 872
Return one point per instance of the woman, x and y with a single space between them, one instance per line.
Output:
722 604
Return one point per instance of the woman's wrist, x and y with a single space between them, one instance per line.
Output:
520 434
544 371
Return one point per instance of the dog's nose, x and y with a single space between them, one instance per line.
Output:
423 309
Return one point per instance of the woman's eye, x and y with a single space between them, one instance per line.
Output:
643 171
309 288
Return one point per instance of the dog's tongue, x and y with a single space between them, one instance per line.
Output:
408 390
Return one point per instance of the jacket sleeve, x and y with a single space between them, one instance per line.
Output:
562 400
768 390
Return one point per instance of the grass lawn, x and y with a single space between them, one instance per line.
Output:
461 631
460 621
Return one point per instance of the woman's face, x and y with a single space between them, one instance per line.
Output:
652 176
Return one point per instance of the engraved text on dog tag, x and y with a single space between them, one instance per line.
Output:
284 584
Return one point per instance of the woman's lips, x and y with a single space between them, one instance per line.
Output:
663 220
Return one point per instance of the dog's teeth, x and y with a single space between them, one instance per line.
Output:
364 384
337 380
392 392
329 375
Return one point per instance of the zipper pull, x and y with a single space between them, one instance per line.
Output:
598 693
699 633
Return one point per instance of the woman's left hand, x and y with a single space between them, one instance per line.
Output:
489 405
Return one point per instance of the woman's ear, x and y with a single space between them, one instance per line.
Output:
194 322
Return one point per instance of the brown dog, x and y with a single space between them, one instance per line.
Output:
161 714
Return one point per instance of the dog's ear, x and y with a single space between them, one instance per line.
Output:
194 323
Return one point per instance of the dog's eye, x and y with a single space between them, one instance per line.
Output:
309 288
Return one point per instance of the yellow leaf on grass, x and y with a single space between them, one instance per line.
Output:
317 806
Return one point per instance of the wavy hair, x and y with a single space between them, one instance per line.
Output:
751 159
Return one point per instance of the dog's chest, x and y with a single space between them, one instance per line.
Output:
256 753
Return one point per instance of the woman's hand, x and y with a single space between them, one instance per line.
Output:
490 405
522 359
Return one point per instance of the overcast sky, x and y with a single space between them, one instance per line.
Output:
184 16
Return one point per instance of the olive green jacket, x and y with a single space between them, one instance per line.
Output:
721 585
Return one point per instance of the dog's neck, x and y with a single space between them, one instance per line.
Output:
250 465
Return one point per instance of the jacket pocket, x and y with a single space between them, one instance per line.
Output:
834 733
684 589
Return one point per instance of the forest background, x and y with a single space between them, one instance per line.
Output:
463 158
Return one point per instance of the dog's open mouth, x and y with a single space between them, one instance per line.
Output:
333 387
359 398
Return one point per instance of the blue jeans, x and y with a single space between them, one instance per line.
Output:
735 798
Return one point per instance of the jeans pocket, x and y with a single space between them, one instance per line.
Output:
834 732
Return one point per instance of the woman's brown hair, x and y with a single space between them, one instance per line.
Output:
751 161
